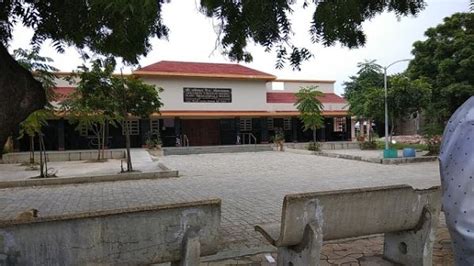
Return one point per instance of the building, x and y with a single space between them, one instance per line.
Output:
212 104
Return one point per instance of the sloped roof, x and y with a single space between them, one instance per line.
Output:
208 70
289 97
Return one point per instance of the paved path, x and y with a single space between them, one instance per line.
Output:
251 186
141 161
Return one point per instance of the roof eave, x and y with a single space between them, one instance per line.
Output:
199 75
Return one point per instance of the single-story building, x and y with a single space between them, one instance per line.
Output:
211 104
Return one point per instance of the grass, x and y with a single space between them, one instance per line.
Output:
401 146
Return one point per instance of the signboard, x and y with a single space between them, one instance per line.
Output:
207 95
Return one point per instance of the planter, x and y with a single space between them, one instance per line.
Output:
409 152
390 153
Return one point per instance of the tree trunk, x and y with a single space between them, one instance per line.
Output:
99 136
127 140
43 152
32 149
41 157
21 95
314 135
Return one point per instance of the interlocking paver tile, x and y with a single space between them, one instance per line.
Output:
251 186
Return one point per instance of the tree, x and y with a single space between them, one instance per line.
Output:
365 94
310 108
135 98
102 97
90 106
406 97
33 124
124 29
118 28
446 61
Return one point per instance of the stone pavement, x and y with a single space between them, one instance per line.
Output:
251 186
141 161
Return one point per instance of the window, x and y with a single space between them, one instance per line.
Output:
84 131
270 124
339 124
287 123
133 127
246 124
155 126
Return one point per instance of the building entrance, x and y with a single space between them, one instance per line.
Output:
202 132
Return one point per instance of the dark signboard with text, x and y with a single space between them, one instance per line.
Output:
207 95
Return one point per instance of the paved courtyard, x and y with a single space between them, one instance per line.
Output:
251 186
141 161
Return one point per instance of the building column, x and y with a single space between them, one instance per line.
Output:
61 138
177 130
144 131
237 131
294 128
264 130
353 133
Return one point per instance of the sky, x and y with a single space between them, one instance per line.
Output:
193 38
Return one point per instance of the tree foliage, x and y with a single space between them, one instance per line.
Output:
104 98
366 94
267 23
446 61
310 108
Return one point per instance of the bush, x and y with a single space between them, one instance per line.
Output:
368 145
401 146
314 146
434 144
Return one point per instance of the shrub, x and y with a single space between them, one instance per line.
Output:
314 146
368 145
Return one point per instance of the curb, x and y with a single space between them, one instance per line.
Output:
88 179
401 160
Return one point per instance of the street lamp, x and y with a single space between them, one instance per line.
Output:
386 104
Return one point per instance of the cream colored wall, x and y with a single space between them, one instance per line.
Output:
295 86
291 107
246 95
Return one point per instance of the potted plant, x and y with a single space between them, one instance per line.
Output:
279 139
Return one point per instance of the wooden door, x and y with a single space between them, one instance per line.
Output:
202 132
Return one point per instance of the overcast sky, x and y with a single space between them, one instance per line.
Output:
192 38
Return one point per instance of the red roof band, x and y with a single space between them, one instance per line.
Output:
175 68
289 97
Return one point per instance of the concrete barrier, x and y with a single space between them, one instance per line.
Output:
216 149
60 156
51 181
330 145
135 236
407 216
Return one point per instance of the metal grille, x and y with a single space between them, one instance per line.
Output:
246 124
133 127
287 123
270 124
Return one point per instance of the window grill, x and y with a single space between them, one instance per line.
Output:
246 124
287 123
133 127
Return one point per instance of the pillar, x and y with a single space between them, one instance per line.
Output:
264 130
144 131
237 130
61 138
177 130
353 134
294 128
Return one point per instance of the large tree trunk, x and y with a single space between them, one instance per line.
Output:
21 95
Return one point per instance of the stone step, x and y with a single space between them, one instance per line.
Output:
216 149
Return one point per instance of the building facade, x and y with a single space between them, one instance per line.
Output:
212 104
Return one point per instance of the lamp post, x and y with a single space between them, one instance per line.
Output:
386 104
